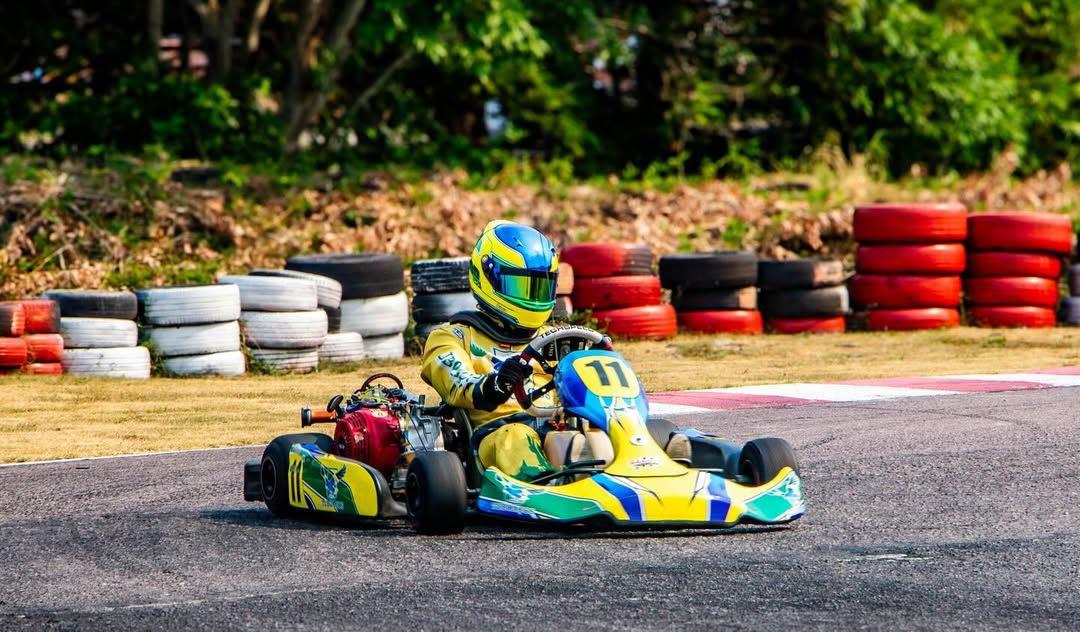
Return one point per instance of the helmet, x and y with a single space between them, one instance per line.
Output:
512 274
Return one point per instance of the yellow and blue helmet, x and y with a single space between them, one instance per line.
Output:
512 274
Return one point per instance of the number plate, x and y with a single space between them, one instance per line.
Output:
605 376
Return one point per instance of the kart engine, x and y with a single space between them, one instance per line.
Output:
370 435
380 426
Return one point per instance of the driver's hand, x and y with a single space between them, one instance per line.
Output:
512 374
497 386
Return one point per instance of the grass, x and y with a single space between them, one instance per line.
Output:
62 417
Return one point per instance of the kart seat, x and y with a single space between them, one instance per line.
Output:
565 447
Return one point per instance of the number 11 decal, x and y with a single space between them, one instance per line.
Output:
602 373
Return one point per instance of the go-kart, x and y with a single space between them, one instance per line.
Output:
391 456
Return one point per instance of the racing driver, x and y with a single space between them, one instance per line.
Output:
474 363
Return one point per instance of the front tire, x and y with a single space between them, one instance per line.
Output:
275 469
762 459
435 493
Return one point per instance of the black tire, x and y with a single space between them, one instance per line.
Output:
762 459
818 303
438 308
661 430
333 319
12 319
709 270
1074 279
800 273
1070 310
361 275
709 300
435 493
95 304
433 276
275 469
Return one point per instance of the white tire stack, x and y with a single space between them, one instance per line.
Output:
381 322
194 329
339 347
280 319
374 303
102 347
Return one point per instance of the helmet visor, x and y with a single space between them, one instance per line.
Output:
526 285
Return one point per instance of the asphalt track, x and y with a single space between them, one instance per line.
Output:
943 512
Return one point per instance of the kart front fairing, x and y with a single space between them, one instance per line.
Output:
642 486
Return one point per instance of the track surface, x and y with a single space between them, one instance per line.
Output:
956 511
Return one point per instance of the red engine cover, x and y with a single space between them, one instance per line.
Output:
370 435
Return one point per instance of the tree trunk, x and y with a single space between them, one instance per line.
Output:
226 21
155 13
258 14
336 48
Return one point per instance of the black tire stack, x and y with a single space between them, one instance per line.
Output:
713 292
100 334
1070 307
373 302
440 290
194 329
803 295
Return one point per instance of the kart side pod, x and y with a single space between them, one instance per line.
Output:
303 477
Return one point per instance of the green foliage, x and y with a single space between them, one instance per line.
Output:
539 91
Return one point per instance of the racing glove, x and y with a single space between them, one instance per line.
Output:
497 387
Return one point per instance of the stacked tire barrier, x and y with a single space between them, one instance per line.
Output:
30 344
14 351
615 280
803 296
100 337
564 288
714 292
373 302
908 265
338 346
194 329
1014 264
1070 307
440 290
280 319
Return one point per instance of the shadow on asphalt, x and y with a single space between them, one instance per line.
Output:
478 530
262 518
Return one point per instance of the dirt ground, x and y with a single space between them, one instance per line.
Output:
62 417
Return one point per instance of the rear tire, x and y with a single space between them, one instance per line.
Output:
275 469
762 459
435 493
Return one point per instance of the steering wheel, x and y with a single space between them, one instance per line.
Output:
380 376
534 351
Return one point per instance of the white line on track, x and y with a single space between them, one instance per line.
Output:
1049 379
835 392
675 409
127 456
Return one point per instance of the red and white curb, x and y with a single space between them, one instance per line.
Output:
772 395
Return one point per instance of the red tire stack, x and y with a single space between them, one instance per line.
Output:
28 337
1014 263
908 265
615 280
714 292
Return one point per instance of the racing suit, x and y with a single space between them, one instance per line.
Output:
457 358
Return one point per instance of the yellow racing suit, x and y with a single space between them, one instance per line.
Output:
457 358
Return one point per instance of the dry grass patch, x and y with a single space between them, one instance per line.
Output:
47 418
